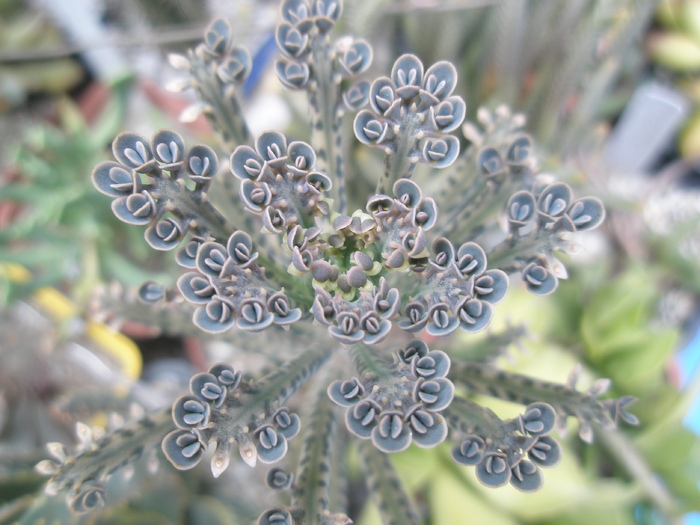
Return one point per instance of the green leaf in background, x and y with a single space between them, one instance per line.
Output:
110 120
416 467
642 365
675 51
64 230
118 516
619 307
674 452
16 484
211 511
452 502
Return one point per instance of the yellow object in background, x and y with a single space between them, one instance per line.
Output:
117 345
60 308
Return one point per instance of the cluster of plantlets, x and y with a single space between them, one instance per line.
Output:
297 259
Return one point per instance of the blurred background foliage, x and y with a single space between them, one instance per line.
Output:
629 306
60 229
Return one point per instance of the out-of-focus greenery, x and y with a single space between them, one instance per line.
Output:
569 66
63 230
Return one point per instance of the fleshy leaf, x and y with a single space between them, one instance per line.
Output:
271 445
470 451
362 418
113 180
183 449
391 434
539 280
586 213
133 151
191 412
435 394
428 429
545 452
493 471
525 476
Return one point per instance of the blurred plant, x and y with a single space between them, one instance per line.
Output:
334 292
57 232
45 357
569 79
633 345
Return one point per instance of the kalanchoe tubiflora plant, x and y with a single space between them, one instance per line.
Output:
299 261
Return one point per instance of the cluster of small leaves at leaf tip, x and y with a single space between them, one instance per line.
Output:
552 208
216 68
417 100
99 455
540 217
590 409
586 406
403 406
166 167
303 29
215 412
508 451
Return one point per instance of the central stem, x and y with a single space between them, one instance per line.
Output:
400 163
325 117
276 387
222 108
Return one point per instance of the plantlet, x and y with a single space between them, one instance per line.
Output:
364 288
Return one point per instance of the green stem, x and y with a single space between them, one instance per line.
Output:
279 385
400 163
394 504
488 348
482 202
193 207
313 476
113 451
475 194
222 108
366 361
508 254
326 119
627 455
338 492
471 418
447 186
487 380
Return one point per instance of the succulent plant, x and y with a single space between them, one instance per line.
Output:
429 253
